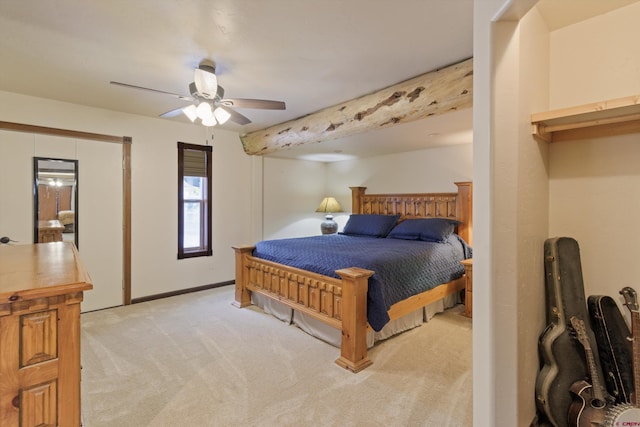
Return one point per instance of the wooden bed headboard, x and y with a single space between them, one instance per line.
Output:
458 206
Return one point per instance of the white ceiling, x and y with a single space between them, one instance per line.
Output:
310 54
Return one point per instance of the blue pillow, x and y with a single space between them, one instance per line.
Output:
427 229
370 225
409 229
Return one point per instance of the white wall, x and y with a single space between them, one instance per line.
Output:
293 189
155 213
595 183
155 268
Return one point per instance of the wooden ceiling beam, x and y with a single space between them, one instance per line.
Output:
436 92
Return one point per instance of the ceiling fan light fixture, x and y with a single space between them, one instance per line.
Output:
206 96
191 112
221 115
204 110
209 121
206 83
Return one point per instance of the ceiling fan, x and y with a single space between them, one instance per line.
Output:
208 101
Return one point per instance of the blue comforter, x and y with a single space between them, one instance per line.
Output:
402 267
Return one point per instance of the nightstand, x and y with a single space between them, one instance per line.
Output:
468 289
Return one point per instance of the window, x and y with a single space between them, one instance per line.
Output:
194 196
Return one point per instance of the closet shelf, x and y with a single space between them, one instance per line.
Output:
613 117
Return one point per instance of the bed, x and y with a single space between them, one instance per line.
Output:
67 219
340 302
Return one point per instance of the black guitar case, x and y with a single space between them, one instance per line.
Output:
614 346
562 357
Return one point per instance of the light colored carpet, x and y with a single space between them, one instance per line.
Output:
195 360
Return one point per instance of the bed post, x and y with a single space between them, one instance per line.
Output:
357 193
243 295
353 349
464 210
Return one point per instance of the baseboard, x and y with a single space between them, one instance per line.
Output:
181 292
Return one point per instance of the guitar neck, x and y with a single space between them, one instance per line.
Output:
595 376
635 331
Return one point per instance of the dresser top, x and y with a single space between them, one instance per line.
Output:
40 270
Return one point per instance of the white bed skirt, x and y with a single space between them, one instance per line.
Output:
332 336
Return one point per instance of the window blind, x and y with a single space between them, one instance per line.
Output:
195 163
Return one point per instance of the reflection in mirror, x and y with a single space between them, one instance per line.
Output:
55 200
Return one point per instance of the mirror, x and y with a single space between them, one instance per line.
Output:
55 200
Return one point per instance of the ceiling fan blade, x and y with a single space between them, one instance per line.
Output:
172 113
177 95
263 104
236 117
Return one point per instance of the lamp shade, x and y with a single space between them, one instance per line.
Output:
204 110
329 204
191 111
209 121
221 115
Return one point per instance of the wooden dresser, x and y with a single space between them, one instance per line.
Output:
50 231
41 287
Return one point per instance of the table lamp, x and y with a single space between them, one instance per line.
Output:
328 206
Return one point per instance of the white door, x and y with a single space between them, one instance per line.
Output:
16 188
100 221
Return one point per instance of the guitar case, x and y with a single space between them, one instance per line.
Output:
614 346
562 357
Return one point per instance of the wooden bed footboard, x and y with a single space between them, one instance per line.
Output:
340 303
